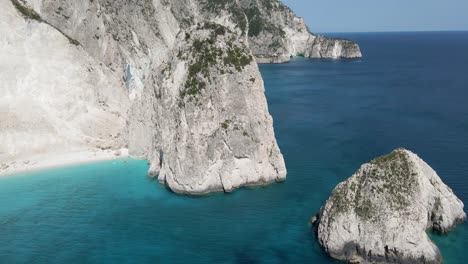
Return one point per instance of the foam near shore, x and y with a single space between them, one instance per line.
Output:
59 159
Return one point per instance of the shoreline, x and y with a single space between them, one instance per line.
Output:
59 159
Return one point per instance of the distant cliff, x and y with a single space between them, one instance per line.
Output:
275 34
174 81
382 212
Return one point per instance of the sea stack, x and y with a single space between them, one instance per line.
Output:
382 212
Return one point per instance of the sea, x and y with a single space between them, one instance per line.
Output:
330 116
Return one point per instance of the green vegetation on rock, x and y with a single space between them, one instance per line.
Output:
26 11
237 14
237 58
205 55
225 124
255 15
29 13
388 180
208 54
258 23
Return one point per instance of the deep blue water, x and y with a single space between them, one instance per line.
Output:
330 116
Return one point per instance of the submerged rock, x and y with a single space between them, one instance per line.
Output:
381 213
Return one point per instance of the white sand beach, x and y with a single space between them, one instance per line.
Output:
59 159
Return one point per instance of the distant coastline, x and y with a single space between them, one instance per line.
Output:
391 32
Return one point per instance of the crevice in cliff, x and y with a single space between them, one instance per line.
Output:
227 145
222 183
29 13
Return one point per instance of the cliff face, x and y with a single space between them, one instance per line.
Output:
276 34
216 134
55 96
175 82
170 80
382 212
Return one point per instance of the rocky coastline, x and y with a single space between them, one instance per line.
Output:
382 212
174 82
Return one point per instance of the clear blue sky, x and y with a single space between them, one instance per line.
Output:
377 15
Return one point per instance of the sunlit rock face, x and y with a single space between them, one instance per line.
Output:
175 82
55 96
382 212
216 134
276 34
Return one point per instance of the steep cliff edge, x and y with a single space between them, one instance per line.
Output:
382 212
276 34
217 134
175 82
55 97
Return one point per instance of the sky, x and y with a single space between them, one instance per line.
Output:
380 16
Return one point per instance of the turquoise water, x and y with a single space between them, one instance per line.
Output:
330 116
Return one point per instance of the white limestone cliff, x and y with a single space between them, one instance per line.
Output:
276 34
174 82
382 212
217 134
104 75
55 97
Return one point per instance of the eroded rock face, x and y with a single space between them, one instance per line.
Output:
171 80
324 47
216 134
174 81
382 212
276 34
54 95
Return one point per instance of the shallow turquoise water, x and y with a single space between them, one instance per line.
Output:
330 117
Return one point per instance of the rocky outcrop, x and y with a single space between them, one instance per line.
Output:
55 96
276 34
216 134
170 80
324 47
174 81
382 212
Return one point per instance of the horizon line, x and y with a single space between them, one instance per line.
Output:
390 31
